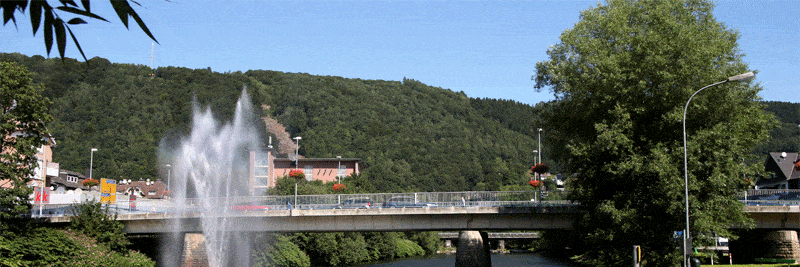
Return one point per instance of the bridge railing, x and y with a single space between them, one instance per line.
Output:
770 197
332 201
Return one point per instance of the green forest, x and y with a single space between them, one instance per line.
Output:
410 136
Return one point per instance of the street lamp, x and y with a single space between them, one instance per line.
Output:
296 164
339 167
686 237
169 173
539 139
91 161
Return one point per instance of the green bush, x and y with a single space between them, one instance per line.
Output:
407 248
283 253
95 221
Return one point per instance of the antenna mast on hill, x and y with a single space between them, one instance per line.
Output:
153 73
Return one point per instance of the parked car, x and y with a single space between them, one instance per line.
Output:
356 203
405 202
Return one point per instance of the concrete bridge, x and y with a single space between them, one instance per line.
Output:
472 220
347 220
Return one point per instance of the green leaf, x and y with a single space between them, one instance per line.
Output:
61 36
36 15
86 5
76 21
81 12
121 7
8 11
124 10
142 25
48 29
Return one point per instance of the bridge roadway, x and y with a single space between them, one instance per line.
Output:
338 220
403 219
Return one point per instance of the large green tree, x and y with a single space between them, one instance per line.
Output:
621 77
23 115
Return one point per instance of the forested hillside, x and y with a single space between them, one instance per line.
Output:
786 137
410 136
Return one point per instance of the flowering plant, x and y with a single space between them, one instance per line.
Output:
90 182
339 187
165 193
797 165
540 168
534 183
297 174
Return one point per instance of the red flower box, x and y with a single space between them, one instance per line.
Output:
339 187
297 174
90 182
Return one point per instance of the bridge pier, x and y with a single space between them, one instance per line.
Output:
194 250
473 249
772 244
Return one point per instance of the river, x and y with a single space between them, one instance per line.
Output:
504 260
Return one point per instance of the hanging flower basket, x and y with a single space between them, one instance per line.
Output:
90 182
534 183
297 174
540 168
339 187
797 165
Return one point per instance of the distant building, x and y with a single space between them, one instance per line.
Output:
67 180
267 169
784 171
143 189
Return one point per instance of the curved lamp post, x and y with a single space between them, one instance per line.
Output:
686 237
296 164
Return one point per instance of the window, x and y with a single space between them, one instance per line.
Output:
342 171
309 171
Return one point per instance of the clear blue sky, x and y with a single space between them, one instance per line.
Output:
484 48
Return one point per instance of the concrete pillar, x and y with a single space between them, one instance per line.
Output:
501 245
473 249
782 245
194 251
760 243
448 243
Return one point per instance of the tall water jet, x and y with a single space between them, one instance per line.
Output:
208 167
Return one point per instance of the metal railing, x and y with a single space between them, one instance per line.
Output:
332 201
770 197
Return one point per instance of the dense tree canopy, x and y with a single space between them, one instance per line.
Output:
622 76
410 136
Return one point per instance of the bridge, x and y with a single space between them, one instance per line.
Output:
432 211
440 211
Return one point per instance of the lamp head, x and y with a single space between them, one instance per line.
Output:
742 77
297 138
94 149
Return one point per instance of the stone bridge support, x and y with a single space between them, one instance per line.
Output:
771 244
194 251
473 249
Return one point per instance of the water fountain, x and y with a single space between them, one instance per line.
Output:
208 166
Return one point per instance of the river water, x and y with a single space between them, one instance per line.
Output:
504 260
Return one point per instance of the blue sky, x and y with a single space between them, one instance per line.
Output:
484 48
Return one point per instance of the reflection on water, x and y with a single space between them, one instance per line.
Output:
504 260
